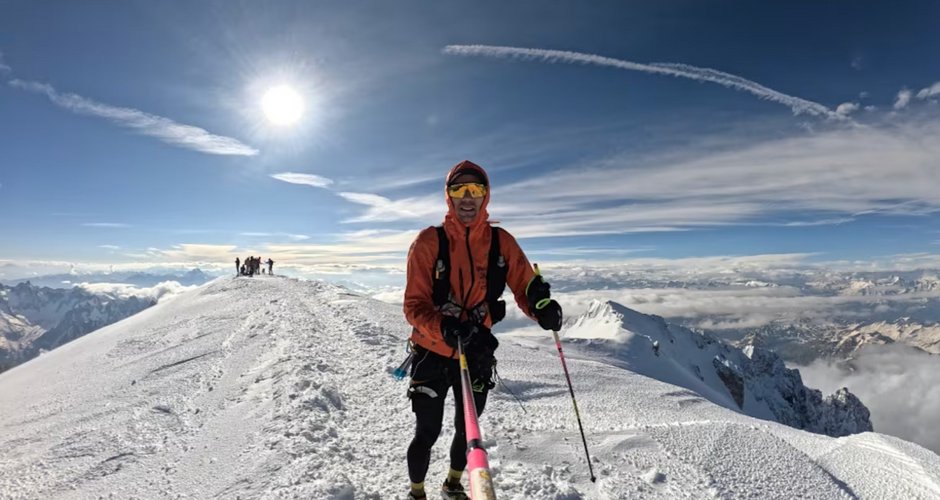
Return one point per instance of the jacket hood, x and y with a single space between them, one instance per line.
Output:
483 216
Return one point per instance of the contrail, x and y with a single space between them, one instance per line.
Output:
162 128
796 104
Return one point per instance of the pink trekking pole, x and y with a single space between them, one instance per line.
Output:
478 466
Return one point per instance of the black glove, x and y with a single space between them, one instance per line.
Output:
536 291
549 316
482 340
452 329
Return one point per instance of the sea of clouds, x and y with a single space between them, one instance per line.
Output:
900 386
159 292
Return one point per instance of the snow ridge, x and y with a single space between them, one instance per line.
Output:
269 387
752 380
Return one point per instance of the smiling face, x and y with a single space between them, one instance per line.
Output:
467 208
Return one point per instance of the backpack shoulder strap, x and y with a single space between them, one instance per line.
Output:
496 269
441 272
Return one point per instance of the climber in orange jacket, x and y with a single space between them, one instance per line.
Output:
455 294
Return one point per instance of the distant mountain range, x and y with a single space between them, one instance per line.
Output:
855 309
34 319
136 278
811 281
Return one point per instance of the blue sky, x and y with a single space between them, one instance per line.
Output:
132 132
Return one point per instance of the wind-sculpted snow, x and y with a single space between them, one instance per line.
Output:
268 387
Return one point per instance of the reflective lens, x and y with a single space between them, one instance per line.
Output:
475 189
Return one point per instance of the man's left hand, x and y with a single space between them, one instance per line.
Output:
550 316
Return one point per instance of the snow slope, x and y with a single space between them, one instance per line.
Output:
269 387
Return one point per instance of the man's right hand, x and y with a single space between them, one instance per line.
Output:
453 329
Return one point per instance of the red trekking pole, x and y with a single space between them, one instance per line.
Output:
478 466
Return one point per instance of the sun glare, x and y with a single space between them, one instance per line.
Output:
282 105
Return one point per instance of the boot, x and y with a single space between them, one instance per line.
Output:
453 490
416 492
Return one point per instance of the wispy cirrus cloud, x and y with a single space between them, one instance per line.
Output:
196 252
106 224
538 216
379 208
796 104
367 247
820 222
382 209
831 177
164 129
304 179
292 237
109 247
577 251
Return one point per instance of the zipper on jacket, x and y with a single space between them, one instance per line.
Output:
460 282
466 296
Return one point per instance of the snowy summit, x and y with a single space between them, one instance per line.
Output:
278 388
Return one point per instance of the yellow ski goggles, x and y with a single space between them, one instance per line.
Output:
475 189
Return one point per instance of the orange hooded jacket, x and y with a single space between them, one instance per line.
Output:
469 252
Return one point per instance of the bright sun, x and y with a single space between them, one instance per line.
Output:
282 105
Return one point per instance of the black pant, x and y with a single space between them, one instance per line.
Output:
433 376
